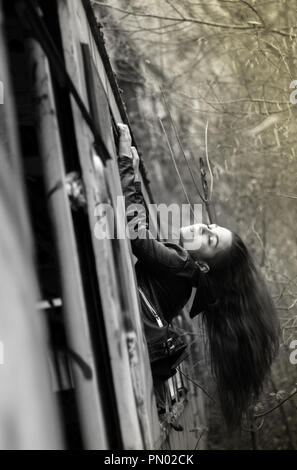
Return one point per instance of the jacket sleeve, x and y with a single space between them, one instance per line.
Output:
157 256
135 206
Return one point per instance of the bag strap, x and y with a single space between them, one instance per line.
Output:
151 308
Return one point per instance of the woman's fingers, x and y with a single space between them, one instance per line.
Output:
122 127
135 155
136 160
125 141
124 132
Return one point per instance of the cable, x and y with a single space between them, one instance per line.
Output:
176 168
197 385
208 164
181 146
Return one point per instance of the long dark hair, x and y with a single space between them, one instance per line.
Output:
243 330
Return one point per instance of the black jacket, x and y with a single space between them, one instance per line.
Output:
165 271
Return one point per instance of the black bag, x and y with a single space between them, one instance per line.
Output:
165 346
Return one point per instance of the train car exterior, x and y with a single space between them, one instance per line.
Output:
75 355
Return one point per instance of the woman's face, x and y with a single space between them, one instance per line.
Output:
205 241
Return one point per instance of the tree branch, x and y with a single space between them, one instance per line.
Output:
286 195
174 18
254 10
184 19
260 415
239 100
174 8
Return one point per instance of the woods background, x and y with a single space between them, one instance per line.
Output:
231 64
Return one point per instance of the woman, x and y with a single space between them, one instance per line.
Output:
238 312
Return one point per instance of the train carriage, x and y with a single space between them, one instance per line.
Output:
75 354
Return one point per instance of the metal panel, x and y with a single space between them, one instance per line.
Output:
140 368
78 329
114 319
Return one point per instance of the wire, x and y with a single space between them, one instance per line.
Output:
197 385
181 146
176 168
208 164
199 438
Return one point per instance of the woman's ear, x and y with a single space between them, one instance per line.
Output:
203 266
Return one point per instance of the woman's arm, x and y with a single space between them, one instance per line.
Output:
128 163
157 256
139 199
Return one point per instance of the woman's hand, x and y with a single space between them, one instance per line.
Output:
125 141
136 162
125 149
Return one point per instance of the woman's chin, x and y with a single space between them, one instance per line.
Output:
190 246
